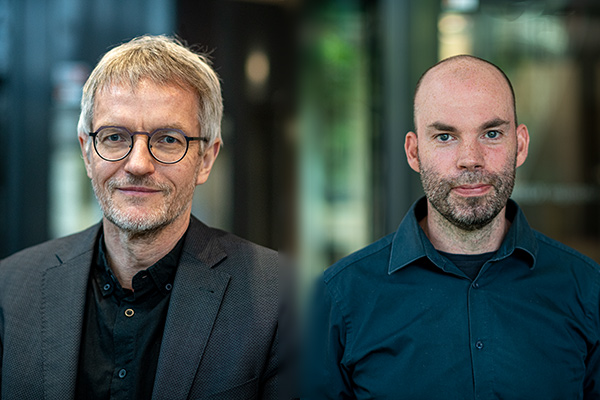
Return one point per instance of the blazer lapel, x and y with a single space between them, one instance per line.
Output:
198 291
63 302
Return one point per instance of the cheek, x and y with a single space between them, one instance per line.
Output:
182 176
100 170
434 159
500 160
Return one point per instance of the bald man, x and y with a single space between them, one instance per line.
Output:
464 300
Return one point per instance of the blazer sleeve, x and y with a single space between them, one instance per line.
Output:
1 352
271 385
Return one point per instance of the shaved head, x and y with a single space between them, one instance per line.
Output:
461 67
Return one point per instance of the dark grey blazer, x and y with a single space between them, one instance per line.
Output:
220 337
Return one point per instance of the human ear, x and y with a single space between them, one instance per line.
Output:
207 161
85 145
411 149
522 144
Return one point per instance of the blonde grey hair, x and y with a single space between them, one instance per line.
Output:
162 60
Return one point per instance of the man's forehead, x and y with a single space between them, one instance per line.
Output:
469 78
469 72
463 91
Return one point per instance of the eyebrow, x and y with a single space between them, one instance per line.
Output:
172 126
440 126
494 123
167 126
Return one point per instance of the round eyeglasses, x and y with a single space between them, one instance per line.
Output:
166 145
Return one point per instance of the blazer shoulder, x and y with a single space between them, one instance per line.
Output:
232 245
52 252
255 260
236 243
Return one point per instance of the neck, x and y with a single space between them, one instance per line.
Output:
129 253
449 238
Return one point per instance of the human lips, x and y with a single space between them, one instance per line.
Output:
138 190
478 189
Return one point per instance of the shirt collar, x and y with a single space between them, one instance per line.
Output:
162 272
410 243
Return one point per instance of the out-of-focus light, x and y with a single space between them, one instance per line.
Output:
257 67
452 24
462 5
455 34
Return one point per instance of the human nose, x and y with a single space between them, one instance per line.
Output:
139 161
471 155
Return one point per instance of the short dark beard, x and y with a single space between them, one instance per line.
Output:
470 213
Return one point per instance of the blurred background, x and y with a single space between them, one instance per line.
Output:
318 99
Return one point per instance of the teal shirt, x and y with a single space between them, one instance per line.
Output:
396 320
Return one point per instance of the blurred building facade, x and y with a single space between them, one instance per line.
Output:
367 56
318 99
48 48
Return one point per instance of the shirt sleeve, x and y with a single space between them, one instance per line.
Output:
591 384
325 377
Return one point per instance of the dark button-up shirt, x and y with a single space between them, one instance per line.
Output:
400 321
123 329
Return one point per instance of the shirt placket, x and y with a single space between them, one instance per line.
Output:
126 327
481 338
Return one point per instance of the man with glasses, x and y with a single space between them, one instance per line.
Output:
150 303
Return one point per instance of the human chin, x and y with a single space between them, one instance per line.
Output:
137 219
472 213
468 212
131 216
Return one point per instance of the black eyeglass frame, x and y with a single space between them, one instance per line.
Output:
149 134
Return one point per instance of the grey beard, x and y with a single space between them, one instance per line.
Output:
146 224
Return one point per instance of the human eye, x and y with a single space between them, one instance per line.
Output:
493 134
168 138
113 136
443 137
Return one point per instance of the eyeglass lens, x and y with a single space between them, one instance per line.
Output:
114 143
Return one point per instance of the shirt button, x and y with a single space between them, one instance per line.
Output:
479 345
122 373
475 285
168 286
129 313
107 286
